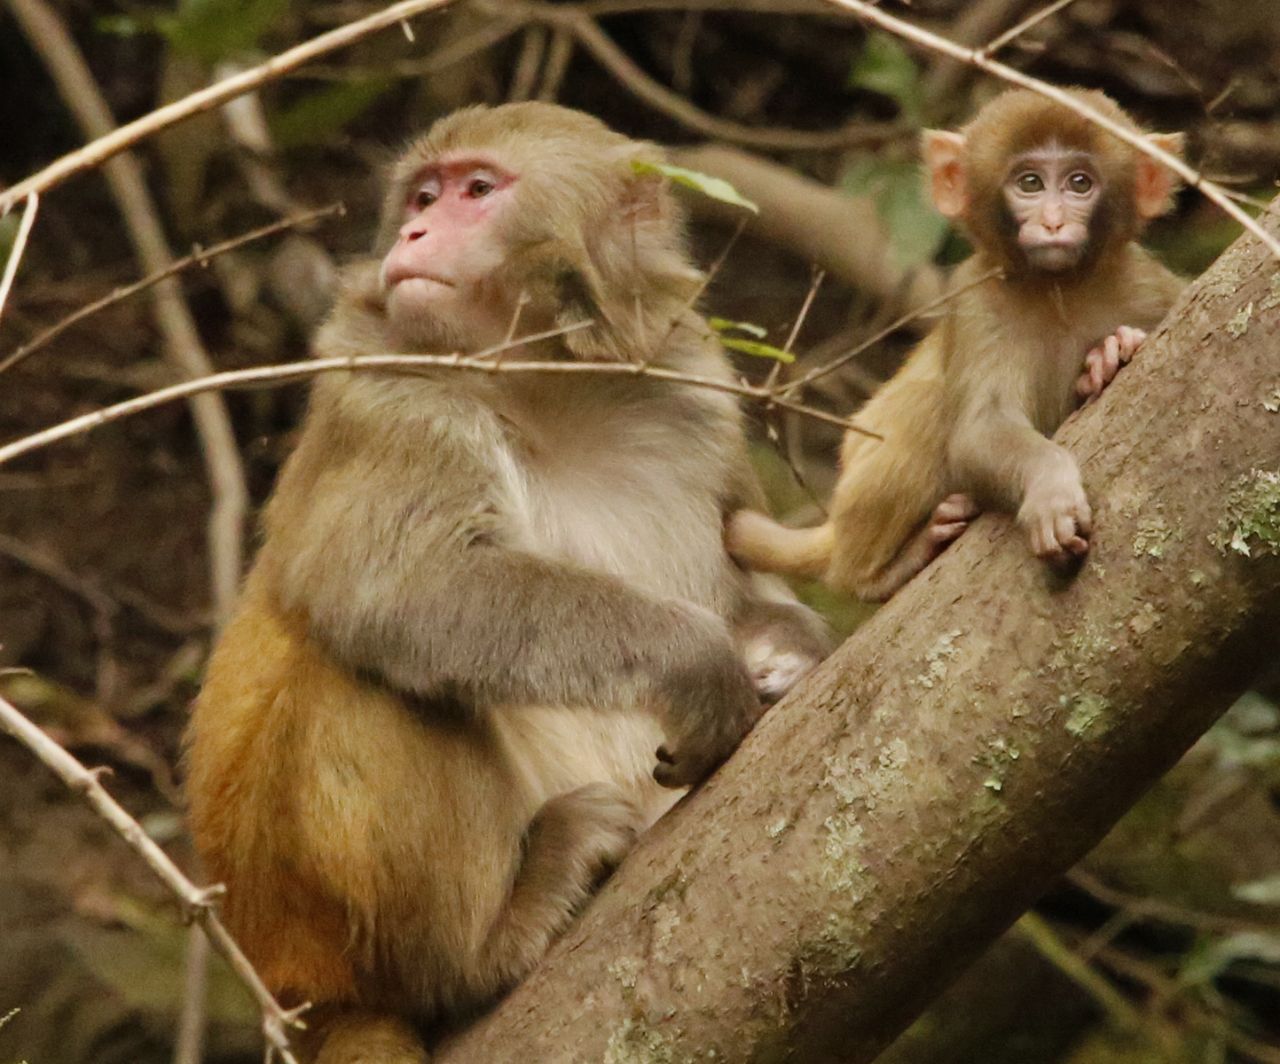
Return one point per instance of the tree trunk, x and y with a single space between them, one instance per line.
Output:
967 745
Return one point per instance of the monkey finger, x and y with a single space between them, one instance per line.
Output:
1111 350
1077 547
1044 543
664 755
1111 358
942 534
956 507
1084 518
1064 530
1130 340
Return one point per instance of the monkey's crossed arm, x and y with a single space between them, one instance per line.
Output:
409 566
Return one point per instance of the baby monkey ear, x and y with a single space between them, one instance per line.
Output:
1155 184
944 154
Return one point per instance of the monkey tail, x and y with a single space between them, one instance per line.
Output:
759 542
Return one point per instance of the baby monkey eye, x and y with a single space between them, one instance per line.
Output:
1029 182
479 187
423 198
1080 182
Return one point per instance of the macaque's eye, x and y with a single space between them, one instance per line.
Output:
1080 183
479 187
423 198
1029 182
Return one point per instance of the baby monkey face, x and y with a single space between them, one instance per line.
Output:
1052 194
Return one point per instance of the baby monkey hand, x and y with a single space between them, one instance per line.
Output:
1104 361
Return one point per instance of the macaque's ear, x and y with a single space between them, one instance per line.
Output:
944 155
1155 183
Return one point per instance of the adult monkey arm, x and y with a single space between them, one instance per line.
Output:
408 567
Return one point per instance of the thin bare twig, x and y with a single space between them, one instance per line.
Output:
893 326
447 55
588 34
996 43
19 247
198 257
708 276
197 902
533 50
935 43
557 65
97 152
1038 932
188 1043
819 275
1155 909
774 429
182 345
483 362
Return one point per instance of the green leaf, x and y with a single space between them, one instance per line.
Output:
212 30
317 116
723 325
1209 960
134 25
887 68
716 188
754 347
896 186
1260 891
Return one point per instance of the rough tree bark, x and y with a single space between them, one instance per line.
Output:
963 749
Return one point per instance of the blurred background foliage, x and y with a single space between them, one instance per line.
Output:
1164 946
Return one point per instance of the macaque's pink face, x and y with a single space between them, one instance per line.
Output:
449 244
1052 193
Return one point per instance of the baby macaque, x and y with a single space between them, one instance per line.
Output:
1057 204
493 629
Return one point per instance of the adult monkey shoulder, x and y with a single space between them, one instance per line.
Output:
483 602
1055 204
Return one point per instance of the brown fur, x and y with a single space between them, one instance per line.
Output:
481 604
970 408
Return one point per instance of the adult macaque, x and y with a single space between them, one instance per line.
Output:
483 601
1056 204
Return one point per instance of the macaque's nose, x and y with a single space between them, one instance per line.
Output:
412 231
1053 217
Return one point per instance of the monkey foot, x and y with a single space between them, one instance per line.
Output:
774 672
1104 361
950 517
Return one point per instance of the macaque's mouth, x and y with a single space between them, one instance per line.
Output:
1055 255
399 275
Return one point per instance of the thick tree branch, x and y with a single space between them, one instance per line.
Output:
961 751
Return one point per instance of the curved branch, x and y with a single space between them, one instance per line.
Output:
601 46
